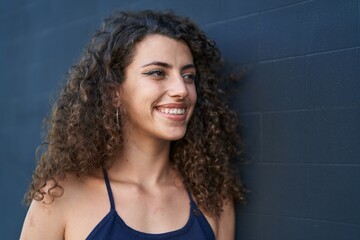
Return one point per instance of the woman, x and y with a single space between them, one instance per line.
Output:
139 131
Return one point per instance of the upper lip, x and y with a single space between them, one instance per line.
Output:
172 105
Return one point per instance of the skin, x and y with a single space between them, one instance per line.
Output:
142 178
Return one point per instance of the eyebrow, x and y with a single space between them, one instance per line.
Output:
187 66
166 65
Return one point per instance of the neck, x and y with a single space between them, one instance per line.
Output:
143 161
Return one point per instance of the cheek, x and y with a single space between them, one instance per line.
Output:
192 94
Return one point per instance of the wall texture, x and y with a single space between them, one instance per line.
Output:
299 102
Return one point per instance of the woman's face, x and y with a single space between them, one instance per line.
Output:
158 94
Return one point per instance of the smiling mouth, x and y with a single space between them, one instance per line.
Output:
172 111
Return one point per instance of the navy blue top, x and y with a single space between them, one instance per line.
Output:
112 227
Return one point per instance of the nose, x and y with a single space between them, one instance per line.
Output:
178 88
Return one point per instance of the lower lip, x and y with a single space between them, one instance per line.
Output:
173 117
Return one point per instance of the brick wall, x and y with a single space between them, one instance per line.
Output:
298 102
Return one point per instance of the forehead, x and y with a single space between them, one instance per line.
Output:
161 48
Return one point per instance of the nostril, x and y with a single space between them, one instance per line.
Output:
178 90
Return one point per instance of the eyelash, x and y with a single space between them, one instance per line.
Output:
159 73
189 77
155 73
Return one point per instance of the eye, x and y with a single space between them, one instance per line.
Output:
189 77
157 73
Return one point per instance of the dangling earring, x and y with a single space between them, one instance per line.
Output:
117 119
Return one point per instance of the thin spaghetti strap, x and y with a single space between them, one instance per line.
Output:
190 196
108 187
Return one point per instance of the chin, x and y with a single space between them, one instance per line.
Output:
175 136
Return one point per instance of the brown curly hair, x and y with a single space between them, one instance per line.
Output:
82 133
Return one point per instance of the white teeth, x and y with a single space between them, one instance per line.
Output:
173 111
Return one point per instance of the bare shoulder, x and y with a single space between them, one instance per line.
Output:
46 219
224 226
226 222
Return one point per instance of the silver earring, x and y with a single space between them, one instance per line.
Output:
117 119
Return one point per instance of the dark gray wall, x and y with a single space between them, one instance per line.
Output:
299 102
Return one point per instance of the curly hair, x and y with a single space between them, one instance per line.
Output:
204 156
